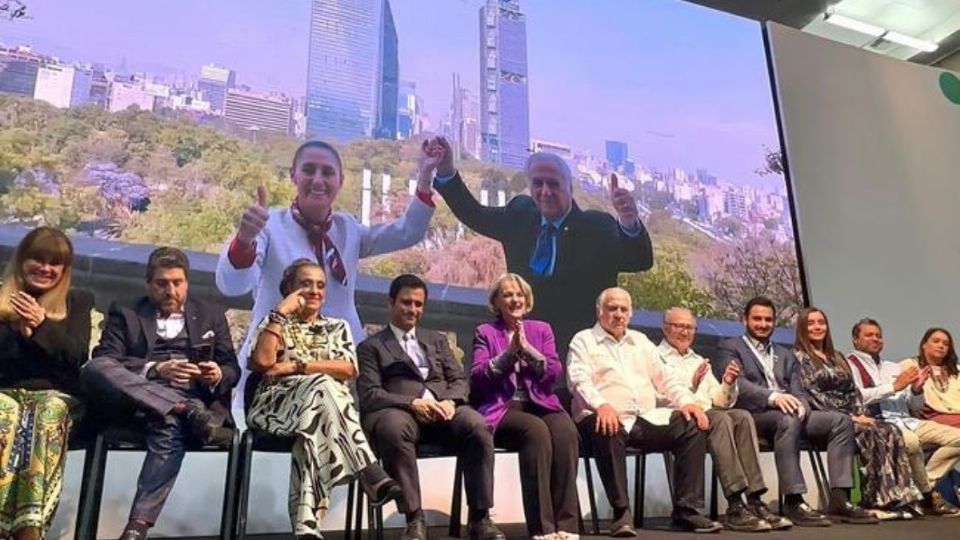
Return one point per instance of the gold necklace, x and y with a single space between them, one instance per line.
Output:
309 339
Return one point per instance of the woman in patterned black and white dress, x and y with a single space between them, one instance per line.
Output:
306 360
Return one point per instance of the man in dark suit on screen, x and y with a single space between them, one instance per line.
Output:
166 362
568 255
413 390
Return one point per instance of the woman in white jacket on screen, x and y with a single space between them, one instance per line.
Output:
268 240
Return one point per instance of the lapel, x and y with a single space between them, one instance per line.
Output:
430 352
566 235
751 355
393 347
147 314
191 319
499 336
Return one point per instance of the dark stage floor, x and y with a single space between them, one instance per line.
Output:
930 528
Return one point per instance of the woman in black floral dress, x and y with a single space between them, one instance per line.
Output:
826 376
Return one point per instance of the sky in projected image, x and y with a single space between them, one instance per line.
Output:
673 97
684 86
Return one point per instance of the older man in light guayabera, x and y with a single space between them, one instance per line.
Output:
568 255
615 376
732 439
892 393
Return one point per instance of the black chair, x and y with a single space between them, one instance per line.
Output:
424 451
130 438
639 483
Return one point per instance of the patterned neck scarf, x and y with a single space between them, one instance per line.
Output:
323 246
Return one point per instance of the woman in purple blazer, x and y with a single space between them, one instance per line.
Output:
515 366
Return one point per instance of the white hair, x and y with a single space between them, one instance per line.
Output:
608 292
678 311
553 159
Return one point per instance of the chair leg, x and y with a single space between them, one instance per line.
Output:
714 496
591 497
640 489
817 467
348 520
228 516
91 491
358 533
243 493
456 504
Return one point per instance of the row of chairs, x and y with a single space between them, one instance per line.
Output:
236 491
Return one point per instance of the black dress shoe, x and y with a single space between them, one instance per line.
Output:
739 518
851 513
694 522
203 427
484 529
416 530
378 487
763 512
803 516
131 534
914 510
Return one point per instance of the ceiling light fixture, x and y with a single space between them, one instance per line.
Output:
852 24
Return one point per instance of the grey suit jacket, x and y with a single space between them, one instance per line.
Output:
390 378
754 390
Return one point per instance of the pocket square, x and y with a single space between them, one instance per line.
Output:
208 335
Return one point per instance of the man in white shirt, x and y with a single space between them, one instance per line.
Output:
892 394
615 375
732 439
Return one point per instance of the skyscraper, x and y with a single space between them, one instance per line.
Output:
63 86
504 99
255 111
617 154
409 109
352 70
213 85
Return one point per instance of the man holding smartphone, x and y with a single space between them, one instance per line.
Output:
169 363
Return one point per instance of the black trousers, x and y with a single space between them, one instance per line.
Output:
680 437
549 447
395 433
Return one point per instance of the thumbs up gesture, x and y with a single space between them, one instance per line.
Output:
254 218
623 203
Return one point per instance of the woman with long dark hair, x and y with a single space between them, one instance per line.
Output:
44 339
938 368
826 376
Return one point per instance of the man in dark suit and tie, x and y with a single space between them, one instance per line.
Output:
168 362
568 255
770 388
412 389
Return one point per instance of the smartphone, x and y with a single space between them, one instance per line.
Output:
202 353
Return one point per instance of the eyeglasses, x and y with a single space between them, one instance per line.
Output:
681 326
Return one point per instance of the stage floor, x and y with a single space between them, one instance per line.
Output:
890 530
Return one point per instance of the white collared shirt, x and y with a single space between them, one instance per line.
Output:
710 393
411 346
170 326
627 374
765 354
895 407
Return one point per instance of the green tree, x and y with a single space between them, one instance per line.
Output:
668 284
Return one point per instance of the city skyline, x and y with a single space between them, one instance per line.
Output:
715 113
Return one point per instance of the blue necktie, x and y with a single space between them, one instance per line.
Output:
544 254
